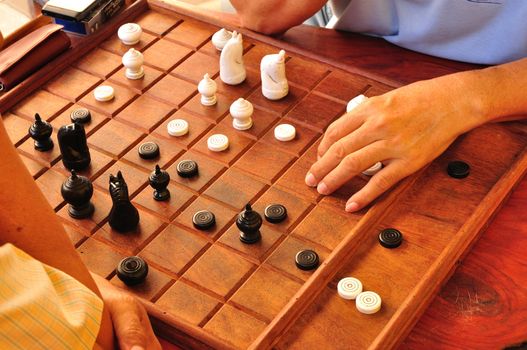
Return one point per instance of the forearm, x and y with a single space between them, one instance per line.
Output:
275 16
28 222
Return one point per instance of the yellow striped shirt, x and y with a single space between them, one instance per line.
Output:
42 307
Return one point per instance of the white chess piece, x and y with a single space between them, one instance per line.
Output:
130 33
220 38
274 80
241 111
207 88
133 61
232 69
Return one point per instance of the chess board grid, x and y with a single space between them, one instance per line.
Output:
225 308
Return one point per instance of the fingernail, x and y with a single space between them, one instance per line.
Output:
322 188
137 347
351 207
310 180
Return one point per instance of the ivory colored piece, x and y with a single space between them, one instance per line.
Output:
241 111
274 80
207 88
232 69
220 38
130 33
133 61
354 102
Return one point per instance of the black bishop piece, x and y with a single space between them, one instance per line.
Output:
249 223
159 180
74 147
77 191
123 216
41 131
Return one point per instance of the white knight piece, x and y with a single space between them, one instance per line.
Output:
274 81
232 69
133 61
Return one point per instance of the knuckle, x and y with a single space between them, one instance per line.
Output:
339 150
383 182
332 133
351 165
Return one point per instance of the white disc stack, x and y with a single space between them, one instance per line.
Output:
220 38
241 111
207 88
133 61
130 33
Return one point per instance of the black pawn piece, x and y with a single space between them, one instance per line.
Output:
123 216
77 191
41 131
249 223
132 270
458 169
159 180
390 238
74 147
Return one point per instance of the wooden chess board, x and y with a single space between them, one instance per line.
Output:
206 289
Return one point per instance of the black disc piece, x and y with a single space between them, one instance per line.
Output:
148 150
203 220
80 115
306 260
187 168
132 270
275 213
458 169
390 238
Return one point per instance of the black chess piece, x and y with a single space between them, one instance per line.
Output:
77 191
159 180
249 223
123 216
40 131
74 147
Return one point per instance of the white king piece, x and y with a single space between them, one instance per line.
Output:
274 81
232 69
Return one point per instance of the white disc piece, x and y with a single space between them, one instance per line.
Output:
103 93
349 288
285 132
177 127
368 302
130 33
218 142
374 169
354 102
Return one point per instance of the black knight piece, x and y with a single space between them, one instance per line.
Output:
159 180
249 223
77 191
73 146
124 216
40 131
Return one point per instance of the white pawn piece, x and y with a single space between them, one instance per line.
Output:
354 102
274 80
374 169
284 132
133 61
103 93
220 38
207 88
130 33
349 287
232 69
218 142
368 302
241 111
177 127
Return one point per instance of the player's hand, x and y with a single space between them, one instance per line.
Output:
405 129
130 320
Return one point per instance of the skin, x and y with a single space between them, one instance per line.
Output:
405 128
28 222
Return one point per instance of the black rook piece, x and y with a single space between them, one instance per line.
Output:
123 216
249 223
159 180
132 270
73 146
77 191
41 131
